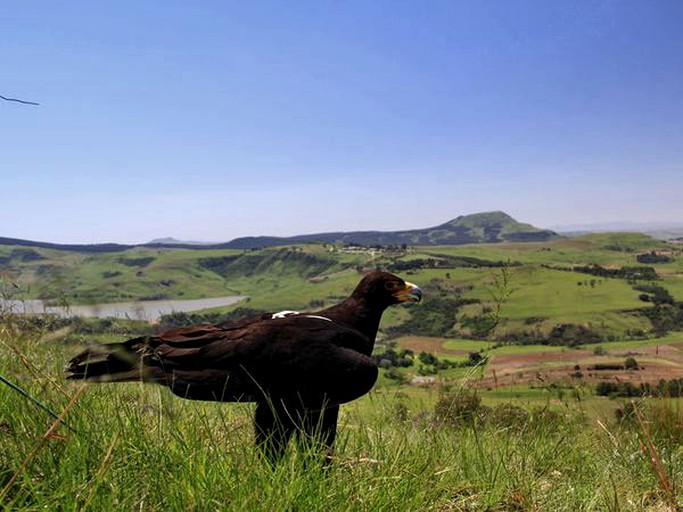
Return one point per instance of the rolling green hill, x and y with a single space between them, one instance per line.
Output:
586 281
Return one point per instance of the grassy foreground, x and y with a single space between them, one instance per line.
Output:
135 447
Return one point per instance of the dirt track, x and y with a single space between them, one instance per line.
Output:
655 363
433 345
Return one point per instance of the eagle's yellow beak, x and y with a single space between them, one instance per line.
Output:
411 293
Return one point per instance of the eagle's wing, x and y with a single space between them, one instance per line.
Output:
310 358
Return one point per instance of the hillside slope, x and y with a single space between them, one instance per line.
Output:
488 227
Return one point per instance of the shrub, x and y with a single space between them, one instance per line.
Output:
599 351
390 358
509 416
665 318
608 366
427 358
475 359
458 408
655 294
622 389
385 364
571 335
394 374
653 257
136 262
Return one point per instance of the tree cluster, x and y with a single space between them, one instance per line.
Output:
655 294
663 389
390 358
566 335
628 273
652 257
427 362
665 318
447 261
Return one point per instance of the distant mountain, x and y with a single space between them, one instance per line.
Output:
489 227
660 230
174 241
66 247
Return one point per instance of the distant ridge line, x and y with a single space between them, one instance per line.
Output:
104 247
486 227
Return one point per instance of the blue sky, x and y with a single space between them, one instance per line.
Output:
211 120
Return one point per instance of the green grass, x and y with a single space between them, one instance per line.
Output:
674 337
138 447
467 345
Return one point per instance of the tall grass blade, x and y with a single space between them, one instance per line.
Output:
48 434
654 459
35 401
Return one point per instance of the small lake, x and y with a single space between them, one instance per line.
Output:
142 310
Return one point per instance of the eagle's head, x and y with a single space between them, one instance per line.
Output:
382 289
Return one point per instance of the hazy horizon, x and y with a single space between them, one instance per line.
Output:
625 226
212 121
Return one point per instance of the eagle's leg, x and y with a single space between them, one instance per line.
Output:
319 430
273 428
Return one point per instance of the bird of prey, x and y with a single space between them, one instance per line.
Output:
297 367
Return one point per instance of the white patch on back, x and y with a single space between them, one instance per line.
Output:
284 314
287 313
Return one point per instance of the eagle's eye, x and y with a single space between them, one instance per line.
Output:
392 286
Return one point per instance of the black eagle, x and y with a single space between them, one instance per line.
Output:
297 367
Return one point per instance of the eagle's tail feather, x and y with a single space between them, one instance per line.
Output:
115 362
